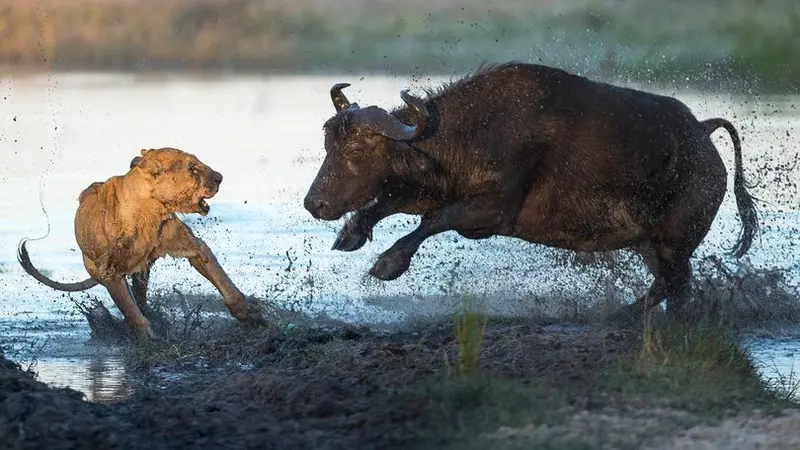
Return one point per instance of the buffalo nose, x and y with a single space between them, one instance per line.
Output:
316 207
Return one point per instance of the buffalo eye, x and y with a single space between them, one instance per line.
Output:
351 149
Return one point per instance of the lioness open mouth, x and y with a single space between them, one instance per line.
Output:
203 206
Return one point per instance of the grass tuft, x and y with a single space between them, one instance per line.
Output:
470 327
700 369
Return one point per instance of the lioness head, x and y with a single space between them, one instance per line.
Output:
178 179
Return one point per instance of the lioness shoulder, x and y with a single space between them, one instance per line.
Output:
91 190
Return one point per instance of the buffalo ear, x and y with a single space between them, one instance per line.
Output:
410 161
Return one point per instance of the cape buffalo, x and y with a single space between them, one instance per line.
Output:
539 154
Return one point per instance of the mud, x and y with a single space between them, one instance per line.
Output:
338 387
316 389
323 384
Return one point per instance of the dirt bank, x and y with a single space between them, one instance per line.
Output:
535 386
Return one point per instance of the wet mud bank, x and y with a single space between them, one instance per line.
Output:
447 383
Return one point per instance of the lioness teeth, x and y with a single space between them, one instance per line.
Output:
203 205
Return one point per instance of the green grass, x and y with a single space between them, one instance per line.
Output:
698 376
469 329
698 369
743 44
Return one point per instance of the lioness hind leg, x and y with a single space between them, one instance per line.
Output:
139 282
118 289
179 241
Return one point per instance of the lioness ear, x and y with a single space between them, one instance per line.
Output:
151 165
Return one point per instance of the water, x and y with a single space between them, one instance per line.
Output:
62 132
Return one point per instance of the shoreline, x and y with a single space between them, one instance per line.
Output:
727 86
531 386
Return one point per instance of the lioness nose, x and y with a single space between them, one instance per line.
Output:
216 177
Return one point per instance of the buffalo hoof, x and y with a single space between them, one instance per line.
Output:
391 264
351 238
683 313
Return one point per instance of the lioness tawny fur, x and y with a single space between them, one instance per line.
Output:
126 223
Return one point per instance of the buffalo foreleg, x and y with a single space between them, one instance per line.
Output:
358 228
473 217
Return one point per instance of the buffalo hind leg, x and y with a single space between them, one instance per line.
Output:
673 282
180 242
682 229
633 314
676 270
679 236
473 217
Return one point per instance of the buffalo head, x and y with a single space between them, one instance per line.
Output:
365 148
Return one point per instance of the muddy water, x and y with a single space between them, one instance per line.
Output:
62 132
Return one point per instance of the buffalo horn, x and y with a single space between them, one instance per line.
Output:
391 127
340 101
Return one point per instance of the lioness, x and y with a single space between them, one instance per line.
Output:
124 224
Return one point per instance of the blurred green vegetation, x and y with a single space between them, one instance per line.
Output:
734 44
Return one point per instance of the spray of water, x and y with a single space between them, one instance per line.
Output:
45 46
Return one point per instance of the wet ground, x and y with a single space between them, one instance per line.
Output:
340 387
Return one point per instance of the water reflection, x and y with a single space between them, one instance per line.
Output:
776 363
101 378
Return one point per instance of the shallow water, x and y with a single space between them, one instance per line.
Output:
62 132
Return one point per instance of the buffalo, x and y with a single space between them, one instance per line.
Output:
536 153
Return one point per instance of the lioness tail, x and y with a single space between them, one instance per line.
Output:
25 261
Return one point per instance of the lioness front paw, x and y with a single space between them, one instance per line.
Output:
351 237
391 264
248 311
146 333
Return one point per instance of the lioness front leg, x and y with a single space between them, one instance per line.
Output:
179 241
478 216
